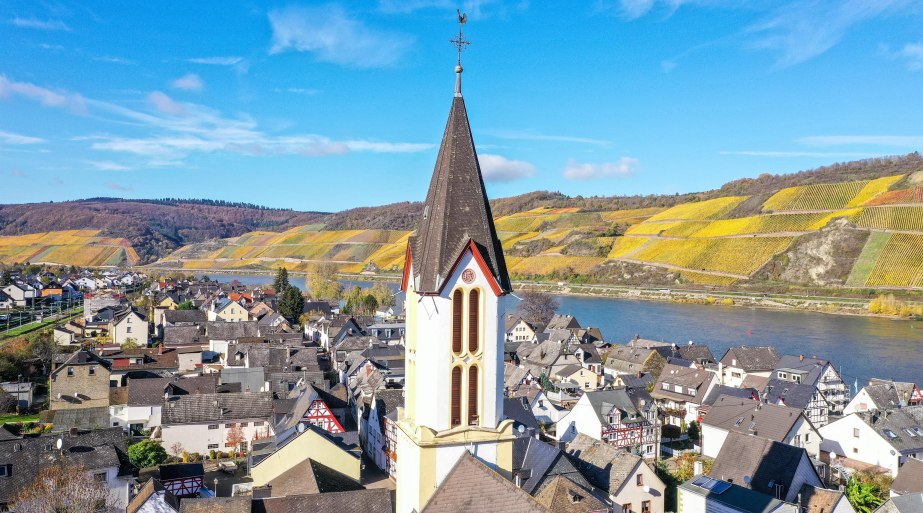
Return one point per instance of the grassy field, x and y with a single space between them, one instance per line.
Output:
866 261
35 326
30 417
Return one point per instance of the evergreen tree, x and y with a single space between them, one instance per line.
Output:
291 304
281 284
5 278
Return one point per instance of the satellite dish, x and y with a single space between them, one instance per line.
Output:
521 429
301 427
59 443
747 479
832 456
892 452
647 489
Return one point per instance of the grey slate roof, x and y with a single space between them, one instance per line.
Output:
741 499
517 408
536 462
627 400
819 500
456 211
897 421
752 417
251 379
80 418
811 367
210 408
909 477
796 395
177 317
764 461
910 503
605 466
215 505
220 330
884 396
359 501
720 390
184 335
752 359
150 392
493 492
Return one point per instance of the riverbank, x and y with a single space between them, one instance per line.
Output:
812 303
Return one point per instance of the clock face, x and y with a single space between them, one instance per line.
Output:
468 276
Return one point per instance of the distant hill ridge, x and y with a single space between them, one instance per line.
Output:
841 224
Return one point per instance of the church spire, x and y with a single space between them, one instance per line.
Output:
460 43
457 213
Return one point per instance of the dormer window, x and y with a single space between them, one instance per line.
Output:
70 371
92 370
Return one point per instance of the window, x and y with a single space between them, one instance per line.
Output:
457 321
855 450
646 507
807 437
128 329
665 386
855 432
474 312
735 374
213 426
212 446
128 319
456 397
626 508
4 471
639 480
70 371
473 395
100 477
92 370
230 425
258 423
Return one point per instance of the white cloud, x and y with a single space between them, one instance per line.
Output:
496 168
106 165
165 104
230 60
11 138
532 136
297 90
36 23
332 35
46 97
188 82
899 141
625 166
911 53
115 60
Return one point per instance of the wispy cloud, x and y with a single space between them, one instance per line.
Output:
897 141
119 187
35 23
911 54
228 60
785 154
333 35
533 136
107 165
497 168
18 173
623 167
165 104
17 139
188 82
115 60
46 97
297 90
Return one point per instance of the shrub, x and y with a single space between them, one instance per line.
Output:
670 431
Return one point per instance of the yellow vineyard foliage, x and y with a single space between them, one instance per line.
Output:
829 196
710 209
900 263
625 246
873 189
68 247
739 256
892 218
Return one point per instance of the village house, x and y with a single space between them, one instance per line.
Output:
880 440
909 478
228 310
630 360
622 417
738 363
379 427
909 393
818 373
145 399
626 478
518 330
542 470
129 325
153 498
224 422
703 494
806 397
779 423
80 381
20 293
680 391
585 379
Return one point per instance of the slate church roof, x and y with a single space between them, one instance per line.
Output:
456 211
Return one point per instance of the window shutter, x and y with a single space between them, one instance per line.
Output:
456 396
457 305
473 396
474 312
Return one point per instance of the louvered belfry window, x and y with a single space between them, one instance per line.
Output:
473 395
473 320
458 304
456 396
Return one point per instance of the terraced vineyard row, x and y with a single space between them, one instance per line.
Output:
900 263
710 209
814 197
740 256
69 247
892 218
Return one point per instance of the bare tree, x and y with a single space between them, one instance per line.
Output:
176 450
537 307
235 438
61 489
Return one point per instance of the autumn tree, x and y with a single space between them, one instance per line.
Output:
61 489
383 294
537 307
235 438
322 282
44 348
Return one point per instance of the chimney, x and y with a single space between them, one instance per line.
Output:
160 349
638 375
720 373
801 358
698 468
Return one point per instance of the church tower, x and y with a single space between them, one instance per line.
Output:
454 276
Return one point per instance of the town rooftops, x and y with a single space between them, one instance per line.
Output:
629 401
686 378
752 417
819 500
902 428
562 495
181 471
884 396
736 497
220 330
910 503
358 501
789 393
751 359
809 369
765 463
909 478
562 322
150 391
209 408
178 317
184 335
605 466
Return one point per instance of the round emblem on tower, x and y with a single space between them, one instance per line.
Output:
468 276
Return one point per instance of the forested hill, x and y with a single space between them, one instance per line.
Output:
155 228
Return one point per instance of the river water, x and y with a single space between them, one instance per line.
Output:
861 347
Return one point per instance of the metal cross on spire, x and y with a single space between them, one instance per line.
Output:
460 43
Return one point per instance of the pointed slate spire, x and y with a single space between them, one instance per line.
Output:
456 212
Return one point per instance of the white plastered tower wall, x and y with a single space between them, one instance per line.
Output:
428 446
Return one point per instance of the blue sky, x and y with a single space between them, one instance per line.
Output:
326 106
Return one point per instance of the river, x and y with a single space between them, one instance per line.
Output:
861 347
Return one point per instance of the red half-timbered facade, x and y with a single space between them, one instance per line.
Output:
319 415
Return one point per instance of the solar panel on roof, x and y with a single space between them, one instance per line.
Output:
713 485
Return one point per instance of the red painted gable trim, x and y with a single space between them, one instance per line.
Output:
407 261
481 263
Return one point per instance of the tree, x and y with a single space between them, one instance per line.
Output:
693 431
291 304
176 450
383 294
5 278
8 403
61 489
281 283
131 343
185 305
868 490
146 453
369 304
537 307
322 282
44 348
354 300
236 437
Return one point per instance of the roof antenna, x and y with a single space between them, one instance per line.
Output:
460 43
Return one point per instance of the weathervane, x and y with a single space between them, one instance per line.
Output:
460 43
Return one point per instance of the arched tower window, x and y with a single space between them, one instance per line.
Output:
458 304
456 397
474 317
472 395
